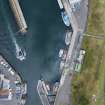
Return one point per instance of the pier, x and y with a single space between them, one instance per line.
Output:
17 11
47 92
42 93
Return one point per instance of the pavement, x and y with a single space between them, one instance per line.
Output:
64 94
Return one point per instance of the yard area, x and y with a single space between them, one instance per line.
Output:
96 19
88 85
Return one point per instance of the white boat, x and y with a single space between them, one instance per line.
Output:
20 54
60 4
68 38
61 53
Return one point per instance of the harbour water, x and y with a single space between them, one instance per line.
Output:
42 42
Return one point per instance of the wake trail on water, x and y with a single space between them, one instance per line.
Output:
20 54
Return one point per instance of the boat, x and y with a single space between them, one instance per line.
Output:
65 18
61 53
68 38
60 4
20 54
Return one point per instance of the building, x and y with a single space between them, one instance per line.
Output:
12 88
79 60
5 90
75 4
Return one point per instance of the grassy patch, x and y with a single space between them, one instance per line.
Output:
90 81
88 85
96 24
101 83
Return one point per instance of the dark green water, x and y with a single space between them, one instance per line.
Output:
42 42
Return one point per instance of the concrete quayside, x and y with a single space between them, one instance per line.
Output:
76 11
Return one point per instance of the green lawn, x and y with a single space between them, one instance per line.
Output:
90 80
101 82
96 19
88 85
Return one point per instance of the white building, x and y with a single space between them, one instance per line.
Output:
75 4
74 1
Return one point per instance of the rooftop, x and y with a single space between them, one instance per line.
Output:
12 88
